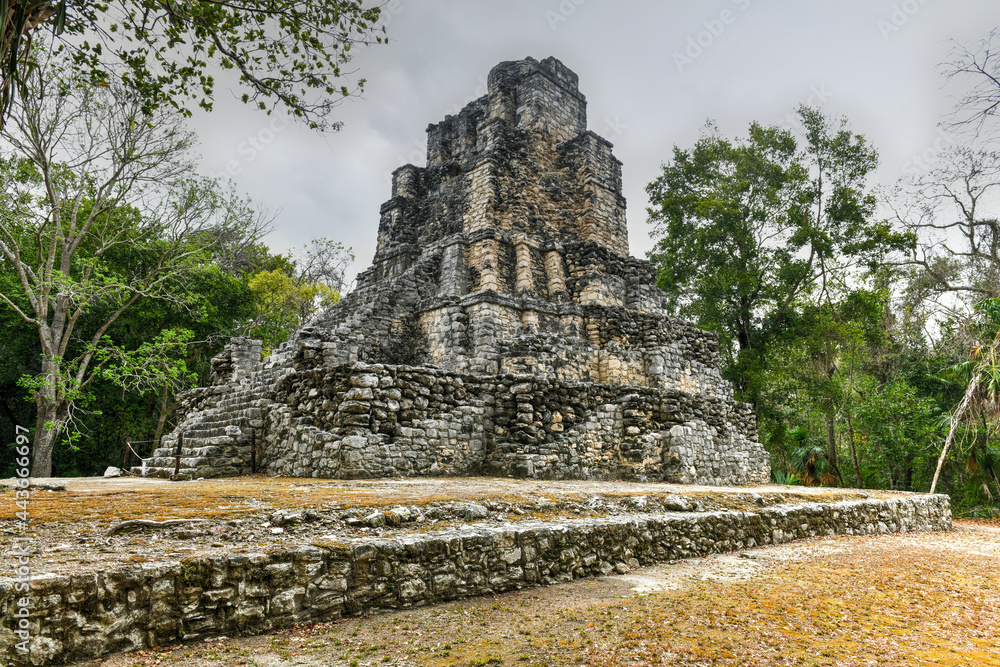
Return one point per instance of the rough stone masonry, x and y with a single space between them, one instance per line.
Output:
502 329
88 614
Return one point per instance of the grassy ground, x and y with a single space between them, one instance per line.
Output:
909 599
97 499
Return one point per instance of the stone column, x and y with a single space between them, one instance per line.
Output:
503 105
405 181
572 326
525 277
556 273
529 321
454 278
484 257
480 213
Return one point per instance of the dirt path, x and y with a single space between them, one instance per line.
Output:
907 599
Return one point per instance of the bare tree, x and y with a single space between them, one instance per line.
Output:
952 209
87 181
978 68
323 261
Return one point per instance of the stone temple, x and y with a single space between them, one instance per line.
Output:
502 329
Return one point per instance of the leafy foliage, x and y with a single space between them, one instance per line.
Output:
772 241
295 290
98 212
287 54
980 406
747 229
18 21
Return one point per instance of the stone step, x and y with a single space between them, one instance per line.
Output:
168 463
207 472
212 441
199 432
186 462
154 472
210 451
215 450
218 434
219 420
242 423
242 408
202 447
213 453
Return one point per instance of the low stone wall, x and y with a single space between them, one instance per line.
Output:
367 421
91 614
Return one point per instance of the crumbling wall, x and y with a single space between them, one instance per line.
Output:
87 615
503 262
363 421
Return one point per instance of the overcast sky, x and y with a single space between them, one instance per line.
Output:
652 72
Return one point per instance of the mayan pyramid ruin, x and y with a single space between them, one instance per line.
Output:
502 329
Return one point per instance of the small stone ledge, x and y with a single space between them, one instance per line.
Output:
89 615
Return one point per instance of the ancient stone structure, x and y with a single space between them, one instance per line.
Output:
89 614
502 329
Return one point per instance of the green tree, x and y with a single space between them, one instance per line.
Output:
215 305
749 228
816 368
291 54
894 427
296 290
90 178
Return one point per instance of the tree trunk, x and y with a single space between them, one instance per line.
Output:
164 410
956 418
53 413
854 454
48 427
831 442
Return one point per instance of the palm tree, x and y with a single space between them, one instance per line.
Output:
981 401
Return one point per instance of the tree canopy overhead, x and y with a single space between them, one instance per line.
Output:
288 54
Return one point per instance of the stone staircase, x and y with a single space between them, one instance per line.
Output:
217 436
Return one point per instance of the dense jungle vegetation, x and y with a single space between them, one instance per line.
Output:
861 320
